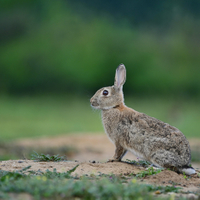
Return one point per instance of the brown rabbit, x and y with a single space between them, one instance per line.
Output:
148 138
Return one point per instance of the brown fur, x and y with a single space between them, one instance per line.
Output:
145 136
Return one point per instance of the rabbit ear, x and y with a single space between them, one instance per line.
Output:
120 76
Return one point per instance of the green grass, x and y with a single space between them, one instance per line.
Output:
195 154
47 116
56 185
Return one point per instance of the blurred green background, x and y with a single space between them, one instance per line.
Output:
55 54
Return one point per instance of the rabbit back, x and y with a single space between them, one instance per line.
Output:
147 137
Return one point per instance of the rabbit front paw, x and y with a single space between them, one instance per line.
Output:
114 160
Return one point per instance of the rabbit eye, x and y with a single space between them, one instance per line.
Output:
105 92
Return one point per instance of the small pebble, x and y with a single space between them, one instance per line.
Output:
93 161
157 192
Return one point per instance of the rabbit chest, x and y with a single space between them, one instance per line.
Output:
116 125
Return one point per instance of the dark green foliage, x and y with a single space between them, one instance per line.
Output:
143 12
46 158
53 48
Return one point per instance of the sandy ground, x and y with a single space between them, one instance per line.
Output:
92 153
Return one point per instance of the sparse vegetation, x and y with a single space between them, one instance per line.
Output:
142 163
184 175
164 189
6 175
148 172
51 185
15 151
46 158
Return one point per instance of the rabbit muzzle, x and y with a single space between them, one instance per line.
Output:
94 103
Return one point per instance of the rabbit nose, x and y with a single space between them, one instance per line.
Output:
93 102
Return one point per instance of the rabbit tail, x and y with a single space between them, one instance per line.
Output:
187 170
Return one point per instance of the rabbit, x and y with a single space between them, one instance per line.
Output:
146 137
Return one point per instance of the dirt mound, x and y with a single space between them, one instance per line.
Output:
92 153
118 168
165 177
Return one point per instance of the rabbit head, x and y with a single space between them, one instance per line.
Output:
112 96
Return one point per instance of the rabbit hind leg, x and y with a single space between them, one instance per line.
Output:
165 159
